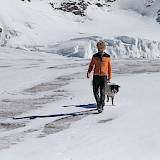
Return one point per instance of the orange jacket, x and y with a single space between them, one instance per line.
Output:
101 65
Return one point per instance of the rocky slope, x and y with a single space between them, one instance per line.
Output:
79 7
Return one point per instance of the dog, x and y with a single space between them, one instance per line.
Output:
110 90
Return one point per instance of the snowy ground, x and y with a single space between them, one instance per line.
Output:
54 99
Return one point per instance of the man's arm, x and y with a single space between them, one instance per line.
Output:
109 70
91 65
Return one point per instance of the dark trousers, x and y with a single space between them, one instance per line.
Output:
99 89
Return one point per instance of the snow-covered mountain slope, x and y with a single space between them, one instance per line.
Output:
49 22
144 7
79 7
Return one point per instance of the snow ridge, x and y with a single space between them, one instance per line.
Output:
118 47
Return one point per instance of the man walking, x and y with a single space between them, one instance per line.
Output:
101 64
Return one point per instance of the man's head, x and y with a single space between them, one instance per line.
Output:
101 46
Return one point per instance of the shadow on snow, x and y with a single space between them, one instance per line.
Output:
87 112
87 106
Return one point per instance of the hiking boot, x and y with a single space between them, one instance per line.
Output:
100 109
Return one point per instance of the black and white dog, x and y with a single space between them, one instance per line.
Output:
111 90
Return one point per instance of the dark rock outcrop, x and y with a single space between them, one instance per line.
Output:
158 16
80 7
77 8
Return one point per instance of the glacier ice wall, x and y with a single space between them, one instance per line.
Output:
117 47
